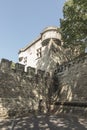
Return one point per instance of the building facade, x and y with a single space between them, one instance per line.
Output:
44 52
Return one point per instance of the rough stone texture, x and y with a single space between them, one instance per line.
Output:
72 92
45 122
63 91
20 91
52 54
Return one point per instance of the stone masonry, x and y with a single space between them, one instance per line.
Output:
64 91
72 89
20 92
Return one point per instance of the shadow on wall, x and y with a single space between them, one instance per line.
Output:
51 55
73 87
20 91
72 79
43 61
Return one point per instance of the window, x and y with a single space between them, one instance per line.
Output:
25 60
39 53
20 59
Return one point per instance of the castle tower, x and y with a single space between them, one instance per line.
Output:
43 53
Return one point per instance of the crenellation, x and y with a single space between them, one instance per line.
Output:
73 81
19 67
22 91
51 77
5 64
30 70
65 66
40 73
28 86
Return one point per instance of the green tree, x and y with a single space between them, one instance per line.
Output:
74 24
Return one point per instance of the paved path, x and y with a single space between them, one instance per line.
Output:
44 122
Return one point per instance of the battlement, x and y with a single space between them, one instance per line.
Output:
24 90
6 65
19 89
67 65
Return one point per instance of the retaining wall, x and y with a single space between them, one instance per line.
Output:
20 92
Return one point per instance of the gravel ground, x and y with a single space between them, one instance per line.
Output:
45 122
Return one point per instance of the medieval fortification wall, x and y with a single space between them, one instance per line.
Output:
66 89
20 92
72 89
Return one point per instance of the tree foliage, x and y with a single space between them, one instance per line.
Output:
74 24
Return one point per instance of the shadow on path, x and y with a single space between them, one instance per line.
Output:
44 122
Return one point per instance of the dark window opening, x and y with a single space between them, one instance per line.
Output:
39 53
20 59
25 60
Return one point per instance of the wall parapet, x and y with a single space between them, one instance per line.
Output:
66 65
7 65
34 85
20 90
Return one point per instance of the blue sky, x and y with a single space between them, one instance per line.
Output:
21 21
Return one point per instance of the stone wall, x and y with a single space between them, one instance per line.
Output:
72 88
20 92
63 91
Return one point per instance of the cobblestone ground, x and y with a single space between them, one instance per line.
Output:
45 122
